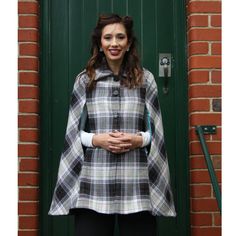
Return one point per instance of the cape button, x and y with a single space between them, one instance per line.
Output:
115 92
116 78
116 115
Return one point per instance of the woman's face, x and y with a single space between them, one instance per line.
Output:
114 42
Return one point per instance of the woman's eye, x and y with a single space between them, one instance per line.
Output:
121 37
118 37
107 37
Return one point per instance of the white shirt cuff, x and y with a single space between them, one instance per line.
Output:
86 138
146 138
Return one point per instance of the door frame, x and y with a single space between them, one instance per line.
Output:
182 126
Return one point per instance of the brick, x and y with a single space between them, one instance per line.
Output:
202 205
28 64
219 177
28 194
28 49
29 35
204 35
202 62
29 106
216 105
209 91
28 208
199 105
28 150
213 148
197 162
28 92
28 121
196 48
216 20
29 78
211 231
218 134
198 76
29 135
216 76
202 176
29 165
28 8
217 219
197 20
200 191
28 233
201 219
205 119
28 22
204 7
216 161
28 179
216 49
28 222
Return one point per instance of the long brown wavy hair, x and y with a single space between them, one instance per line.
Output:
131 62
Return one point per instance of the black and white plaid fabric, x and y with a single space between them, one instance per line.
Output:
114 183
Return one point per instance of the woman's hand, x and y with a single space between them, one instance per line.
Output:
134 139
117 142
111 143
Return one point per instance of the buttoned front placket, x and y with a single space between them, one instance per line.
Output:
116 105
116 125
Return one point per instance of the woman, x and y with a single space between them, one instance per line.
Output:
114 161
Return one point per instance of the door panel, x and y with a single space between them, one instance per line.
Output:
65 36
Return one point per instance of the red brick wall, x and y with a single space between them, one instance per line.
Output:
204 44
204 60
28 93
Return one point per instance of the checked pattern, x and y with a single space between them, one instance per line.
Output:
114 183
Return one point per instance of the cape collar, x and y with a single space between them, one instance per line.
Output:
104 71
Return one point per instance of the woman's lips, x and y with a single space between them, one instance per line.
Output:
114 52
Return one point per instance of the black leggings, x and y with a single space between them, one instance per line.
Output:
92 223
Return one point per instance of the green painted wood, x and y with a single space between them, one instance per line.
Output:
181 91
65 35
104 6
59 101
164 44
134 10
45 122
120 7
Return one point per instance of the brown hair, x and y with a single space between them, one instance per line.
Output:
131 63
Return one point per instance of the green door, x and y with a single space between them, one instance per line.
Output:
65 32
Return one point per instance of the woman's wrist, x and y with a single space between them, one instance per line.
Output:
138 140
95 140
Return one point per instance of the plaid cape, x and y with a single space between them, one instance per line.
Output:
114 183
